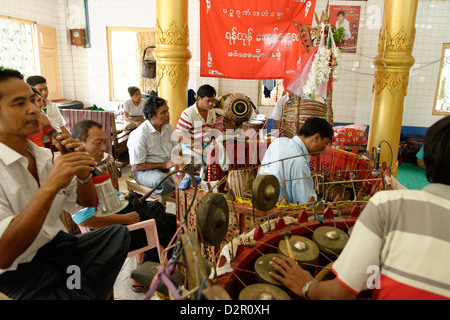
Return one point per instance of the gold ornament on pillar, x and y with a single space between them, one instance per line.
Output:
172 54
392 65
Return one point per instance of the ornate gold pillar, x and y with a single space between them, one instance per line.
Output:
172 54
392 65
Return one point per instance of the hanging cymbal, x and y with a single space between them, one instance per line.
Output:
215 293
212 219
330 239
303 249
263 291
262 269
265 191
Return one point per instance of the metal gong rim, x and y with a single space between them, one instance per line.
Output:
330 239
263 291
262 269
303 249
212 219
265 192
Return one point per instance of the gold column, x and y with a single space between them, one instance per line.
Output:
172 54
392 65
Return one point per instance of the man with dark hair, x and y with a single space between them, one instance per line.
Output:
50 109
196 122
38 260
150 147
399 244
93 137
296 183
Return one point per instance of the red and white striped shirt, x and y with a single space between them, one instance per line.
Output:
192 125
403 236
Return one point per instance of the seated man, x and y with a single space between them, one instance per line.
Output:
94 140
398 244
196 122
150 147
313 137
49 108
38 138
38 260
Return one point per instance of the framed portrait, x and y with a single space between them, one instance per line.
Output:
442 98
346 17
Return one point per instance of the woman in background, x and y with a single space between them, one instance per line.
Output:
133 108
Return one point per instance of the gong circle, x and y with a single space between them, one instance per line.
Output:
305 251
263 291
330 240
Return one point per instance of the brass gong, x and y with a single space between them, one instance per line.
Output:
330 240
262 269
212 219
304 250
265 191
263 291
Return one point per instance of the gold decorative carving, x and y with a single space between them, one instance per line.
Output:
401 42
172 35
174 73
396 82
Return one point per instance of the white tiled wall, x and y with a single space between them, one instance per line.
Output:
84 71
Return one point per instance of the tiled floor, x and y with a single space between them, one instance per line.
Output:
122 287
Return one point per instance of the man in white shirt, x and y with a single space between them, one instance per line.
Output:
278 109
150 147
343 23
50 109
93 137
37 258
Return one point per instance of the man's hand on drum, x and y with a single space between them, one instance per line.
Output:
292 276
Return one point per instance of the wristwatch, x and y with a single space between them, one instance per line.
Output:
305 289
85 180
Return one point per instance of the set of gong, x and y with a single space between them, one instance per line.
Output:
326 240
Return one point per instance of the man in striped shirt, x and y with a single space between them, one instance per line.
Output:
399 245
195 125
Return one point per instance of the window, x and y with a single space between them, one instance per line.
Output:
275 94
17 45
125 50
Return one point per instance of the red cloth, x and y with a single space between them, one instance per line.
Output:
252 39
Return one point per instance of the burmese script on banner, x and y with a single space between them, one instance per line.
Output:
248 39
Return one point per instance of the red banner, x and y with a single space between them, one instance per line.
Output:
249 39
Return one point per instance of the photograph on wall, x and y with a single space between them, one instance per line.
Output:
442 98
347 18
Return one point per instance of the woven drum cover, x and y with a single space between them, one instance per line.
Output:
238 108
295 113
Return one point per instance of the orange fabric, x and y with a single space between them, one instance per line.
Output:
37 137
257 40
